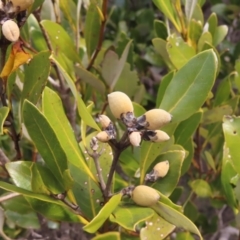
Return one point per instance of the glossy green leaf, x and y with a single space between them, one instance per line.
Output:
231 130
3 115
164 199
129 216
20 174
90 79
212 23
160 29
190 84
227 174
45 140
206 37
103 214
220 34
189 8
54 112
179 51
189 146
201 188
149 152
198 14
168 10
112 66
82 109
108 236
160 46
176 218
26 220
92 27
53 211
167 184
186 128
35 79
60 40
195 30
163 85
156 228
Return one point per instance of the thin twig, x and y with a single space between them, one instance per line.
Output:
101 34
9 196
79 4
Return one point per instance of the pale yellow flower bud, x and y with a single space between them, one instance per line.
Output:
10 30
104 120
160 136
21 5
161 169
135 138
145 196
119 104
103 136
155 118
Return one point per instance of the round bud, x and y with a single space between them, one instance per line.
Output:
119 104
21 5
161 169
104 120
145 196
160 136
135 138
103 136
154 119
10 30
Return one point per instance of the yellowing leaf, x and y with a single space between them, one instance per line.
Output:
17 57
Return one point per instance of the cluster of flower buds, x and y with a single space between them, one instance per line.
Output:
145 127
8 12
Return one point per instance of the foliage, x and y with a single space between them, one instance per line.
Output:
65 153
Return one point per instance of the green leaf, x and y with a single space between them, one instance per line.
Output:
212 23
156 228
45 140
129 216
164 199
82 109
179 51
231 130
167 184
3 115
90 79
206 37
54 112
103 214
108 236
189 147
191 211
168 10
220 34
195 84
227 174
210 161
184 236
20 174
194 31
112 67
176 218
160 46
160 29
35 79
24 220
35 5
92 27
189 8
201 188
163 85
60 40
186 128
149 151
